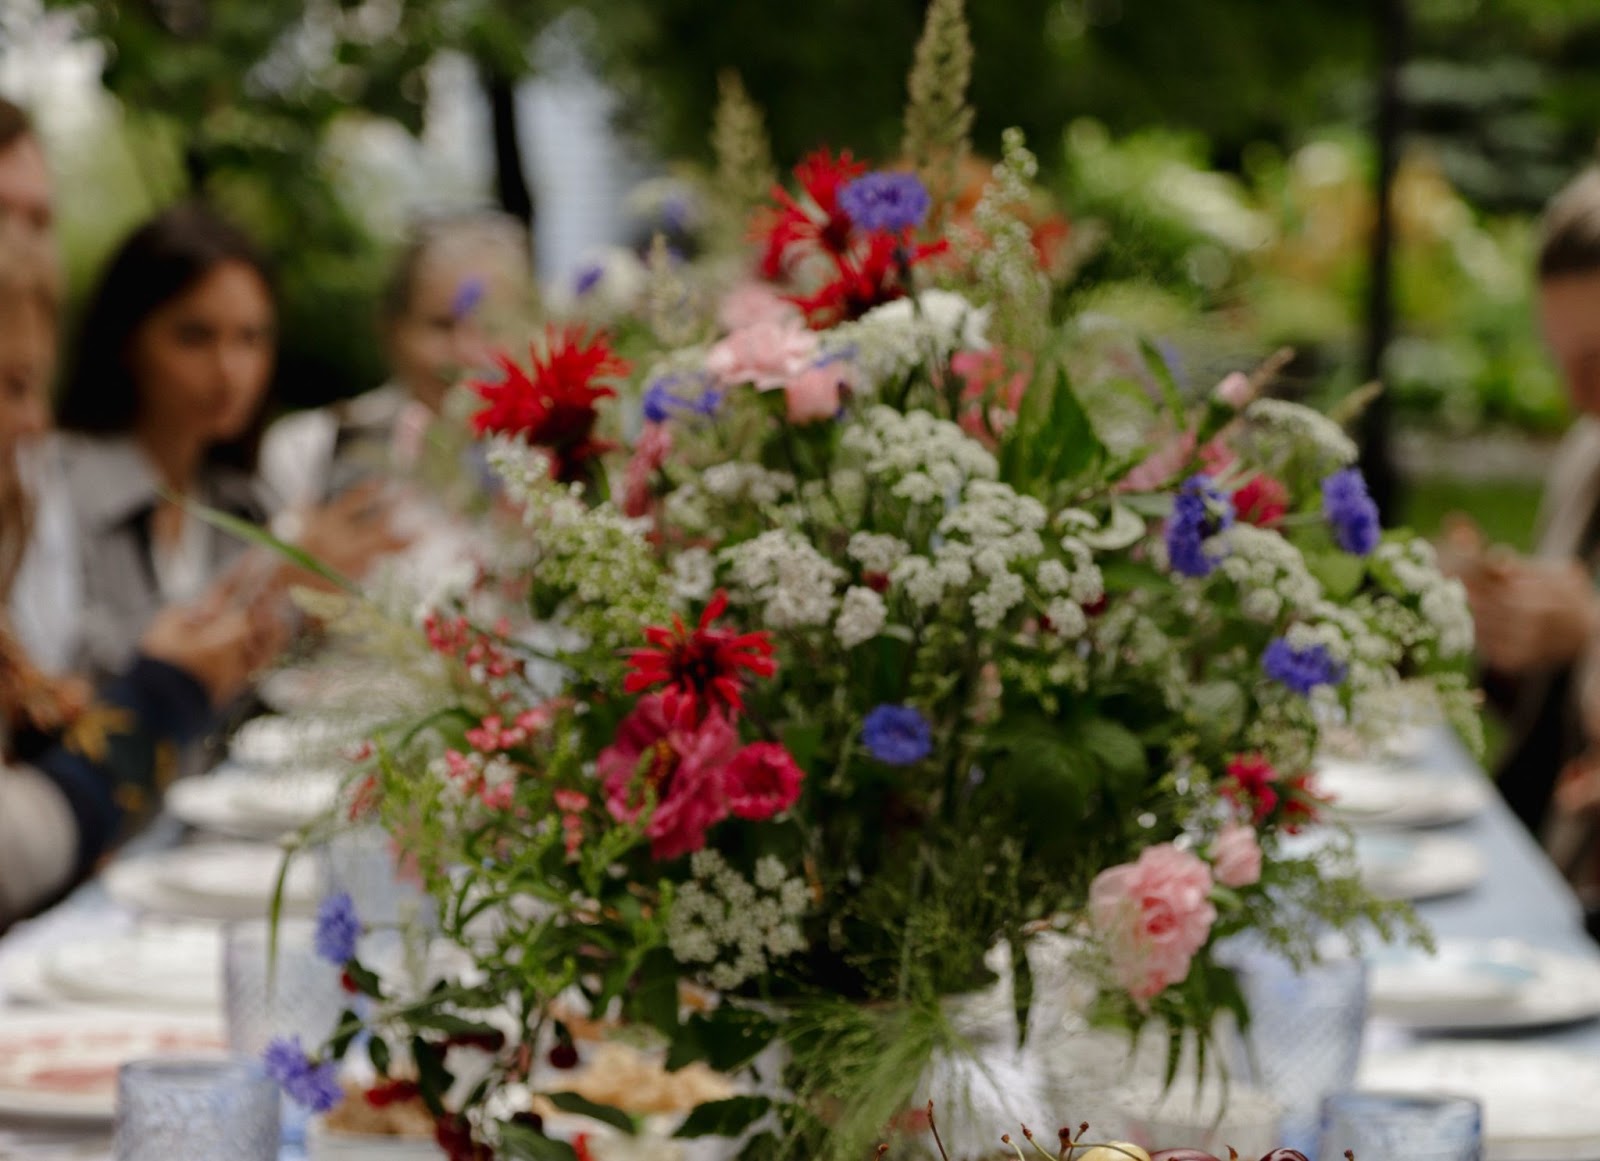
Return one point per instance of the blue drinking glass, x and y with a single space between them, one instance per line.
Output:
196 1110
1417 1128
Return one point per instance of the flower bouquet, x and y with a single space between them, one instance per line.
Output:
917 624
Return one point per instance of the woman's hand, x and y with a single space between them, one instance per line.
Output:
350 533
1532 614
218 642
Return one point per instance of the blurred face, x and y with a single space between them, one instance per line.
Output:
27 354
1569 309
26 192
433 342
202 362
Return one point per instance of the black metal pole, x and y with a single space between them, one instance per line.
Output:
1377 455
511 182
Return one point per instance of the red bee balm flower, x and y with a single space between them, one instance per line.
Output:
822 223
701 669
1249 785
553 407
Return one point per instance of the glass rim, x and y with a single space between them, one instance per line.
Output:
1355 1099
196 1071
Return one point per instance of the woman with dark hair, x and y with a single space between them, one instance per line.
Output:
164 405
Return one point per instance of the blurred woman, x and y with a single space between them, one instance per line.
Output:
164 405
63 807
456 282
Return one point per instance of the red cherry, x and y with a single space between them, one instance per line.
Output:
1284 1155
563 1056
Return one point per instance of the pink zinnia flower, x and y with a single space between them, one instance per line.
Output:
752 303
761 781
1154 915
815 394
766 354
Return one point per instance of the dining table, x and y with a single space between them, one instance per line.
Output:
1520 897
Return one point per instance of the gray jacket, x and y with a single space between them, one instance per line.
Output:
115 492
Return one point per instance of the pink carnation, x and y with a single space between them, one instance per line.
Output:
1161 466
649 456
1154 915
1236 856
814 395
767 354
761 781
1234 390
751 303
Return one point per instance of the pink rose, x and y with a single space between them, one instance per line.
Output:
814 395
1234 390
761 781
1154 915
1236 856
767 354
750 303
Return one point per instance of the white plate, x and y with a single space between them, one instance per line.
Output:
1397 865
221 881
1494 985
252 805
1368 792
63 1065
1538 1103
274 742
175 970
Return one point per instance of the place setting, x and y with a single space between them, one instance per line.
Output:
1392 793
245 803
218 882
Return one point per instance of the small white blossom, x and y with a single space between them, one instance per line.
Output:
989 607
877 552
793 581
1310 430
694 575
862 615
1269 572
737 928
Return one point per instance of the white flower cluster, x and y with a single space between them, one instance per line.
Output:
1070 584
601 561
694 575
862 615
524 470
793 581
739 927
735 481
891 340
1270 573
929 459
1305 429
1350 639
1441 600
877 552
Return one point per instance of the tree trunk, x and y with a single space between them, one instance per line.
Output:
510 179
1377 456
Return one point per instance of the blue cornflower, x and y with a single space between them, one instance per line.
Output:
1199 512
587 277
674 395
897 734
1302 670
309 1084
468 295
1349 509
886 201
338 928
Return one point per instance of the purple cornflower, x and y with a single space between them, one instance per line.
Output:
1349 509
309 1084
467 298
675 395
886 201
587 277
897 735
338 928
1199 512
1302 670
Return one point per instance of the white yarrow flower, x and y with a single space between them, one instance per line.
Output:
862 615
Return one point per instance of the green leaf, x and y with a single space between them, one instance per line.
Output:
365 980
571 1102
726 1118
1117 748
256 535
1339 573
433 1078
655 1000
1162 374
520 1143
378 1053
726 1039
1218 709
345 1032
449 1023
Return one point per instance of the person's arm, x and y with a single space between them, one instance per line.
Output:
62 814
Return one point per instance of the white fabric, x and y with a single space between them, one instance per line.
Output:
295 457
183 567
38 841
47 598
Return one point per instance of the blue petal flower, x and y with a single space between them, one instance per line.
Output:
338 928
886 201
1302 670
1350 510
1199 512
680 395
467 298
312 1085
897 734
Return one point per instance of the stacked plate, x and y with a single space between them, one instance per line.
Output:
1484 986
214 881
1399 865
1378 794
161 969
252 805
